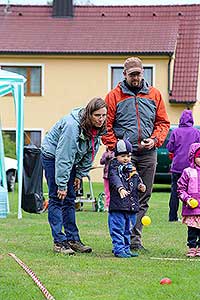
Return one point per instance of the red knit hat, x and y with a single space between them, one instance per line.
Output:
197 153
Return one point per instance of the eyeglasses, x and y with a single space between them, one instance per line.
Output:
100 116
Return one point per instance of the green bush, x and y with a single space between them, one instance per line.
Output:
9 146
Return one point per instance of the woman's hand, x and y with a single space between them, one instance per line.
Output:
62 194
77 184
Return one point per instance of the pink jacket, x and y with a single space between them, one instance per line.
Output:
189 184
105 160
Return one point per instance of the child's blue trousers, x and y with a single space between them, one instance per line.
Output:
120 225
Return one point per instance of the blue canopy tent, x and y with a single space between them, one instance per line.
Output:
13 83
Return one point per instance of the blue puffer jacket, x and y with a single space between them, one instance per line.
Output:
119 177
66 143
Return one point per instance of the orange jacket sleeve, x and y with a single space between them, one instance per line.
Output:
110 139
162 124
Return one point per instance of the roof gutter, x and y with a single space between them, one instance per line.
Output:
24 52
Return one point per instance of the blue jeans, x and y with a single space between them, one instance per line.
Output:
61 213
120 230
174 199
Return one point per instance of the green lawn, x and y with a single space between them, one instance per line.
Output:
98 275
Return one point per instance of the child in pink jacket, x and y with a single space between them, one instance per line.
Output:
105 160
189 193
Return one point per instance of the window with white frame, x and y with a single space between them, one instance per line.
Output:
32 136
33 75
117 75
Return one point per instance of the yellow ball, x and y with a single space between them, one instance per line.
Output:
146 221
193 203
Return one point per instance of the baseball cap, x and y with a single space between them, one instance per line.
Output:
133 64
123 147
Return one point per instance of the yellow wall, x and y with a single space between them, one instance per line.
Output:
70 81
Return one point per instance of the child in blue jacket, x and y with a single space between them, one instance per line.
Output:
124 183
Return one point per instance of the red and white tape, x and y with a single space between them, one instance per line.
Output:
33 276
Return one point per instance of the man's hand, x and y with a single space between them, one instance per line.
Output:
62 194
148 143
142 187
77 184
123 193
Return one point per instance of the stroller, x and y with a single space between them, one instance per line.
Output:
89 197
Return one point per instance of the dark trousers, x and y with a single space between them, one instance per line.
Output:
174 200
146 167
193 240
61 213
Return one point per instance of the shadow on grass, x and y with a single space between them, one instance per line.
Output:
161 188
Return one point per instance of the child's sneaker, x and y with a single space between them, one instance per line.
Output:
191 252
132 254
198 252
123 255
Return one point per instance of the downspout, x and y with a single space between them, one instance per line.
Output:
169 75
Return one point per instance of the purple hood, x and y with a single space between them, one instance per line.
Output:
186 119
180 140
193 149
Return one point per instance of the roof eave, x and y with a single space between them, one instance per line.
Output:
162 53
175 101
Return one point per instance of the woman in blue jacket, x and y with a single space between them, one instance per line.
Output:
68 151
124 183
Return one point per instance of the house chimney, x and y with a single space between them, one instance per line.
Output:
63 8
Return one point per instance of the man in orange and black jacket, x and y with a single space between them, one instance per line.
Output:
136 111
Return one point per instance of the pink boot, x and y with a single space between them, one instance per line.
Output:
191 252
198 252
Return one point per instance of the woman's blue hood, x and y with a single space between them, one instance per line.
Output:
76 113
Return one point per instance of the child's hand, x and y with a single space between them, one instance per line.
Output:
142 187
110 154
123 193
193 203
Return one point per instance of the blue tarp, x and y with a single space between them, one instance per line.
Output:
14 83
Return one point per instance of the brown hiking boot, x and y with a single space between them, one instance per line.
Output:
63 248
78 246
